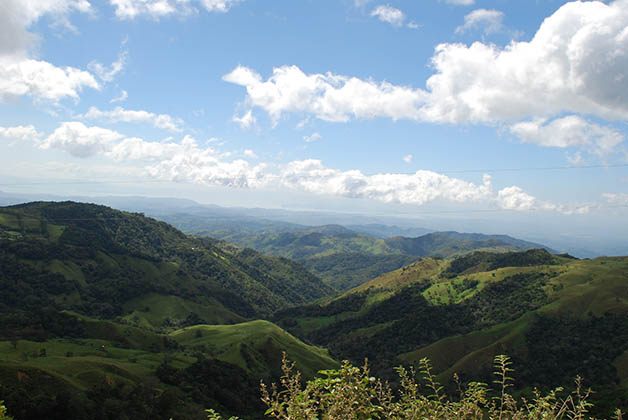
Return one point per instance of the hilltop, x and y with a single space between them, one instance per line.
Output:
345 258
548 312
106 314
95 260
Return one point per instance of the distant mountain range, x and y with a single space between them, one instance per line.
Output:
345 259
205 219
105 312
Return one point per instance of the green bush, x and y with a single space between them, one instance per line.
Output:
3 412
351 393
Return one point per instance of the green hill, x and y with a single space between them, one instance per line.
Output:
345 259
110 370
556 316
95 260
105 314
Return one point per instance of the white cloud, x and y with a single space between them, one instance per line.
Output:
250 154
408 158
108 74
413 25
461 2
576 63
246 121
80 140
312 137
17 15
187 161
389 14
21 75
119 114
569 131
616 198
514 198
42 80
124 95
155 9
419 188
326 96
489 20
20 132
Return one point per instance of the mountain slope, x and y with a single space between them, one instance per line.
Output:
345 259
93 259
550 313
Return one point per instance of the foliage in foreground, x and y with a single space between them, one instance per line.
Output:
3 412
351 393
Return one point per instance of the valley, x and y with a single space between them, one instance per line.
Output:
106 312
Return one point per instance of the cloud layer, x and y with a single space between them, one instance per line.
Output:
189 162
119 114
576 63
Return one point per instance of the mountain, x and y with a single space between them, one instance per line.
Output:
94 260
109 314
555 315
448 244
345 259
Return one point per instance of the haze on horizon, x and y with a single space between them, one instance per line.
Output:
499 117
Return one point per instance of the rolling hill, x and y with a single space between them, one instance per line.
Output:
108 314
95 260
345 259
556 316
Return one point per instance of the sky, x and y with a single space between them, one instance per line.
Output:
511 112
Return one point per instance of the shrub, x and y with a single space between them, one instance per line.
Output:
351 393
3 412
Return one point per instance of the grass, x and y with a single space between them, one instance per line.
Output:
254 346
153 310
579 288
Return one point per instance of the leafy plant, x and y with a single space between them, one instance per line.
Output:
3 412
351 393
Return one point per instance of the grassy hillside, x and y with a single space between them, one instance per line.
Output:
111 370
549 312
346 259
97 261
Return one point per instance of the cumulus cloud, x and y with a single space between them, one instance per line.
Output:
17 15
389 14
79 140
489 20
187 161
119 114
246 121
576 63
20 132
418 188
21 75
42 80
408 158
312 137
327 96
155 9
514 198
569 131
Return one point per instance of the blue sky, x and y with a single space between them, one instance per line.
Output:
383 107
